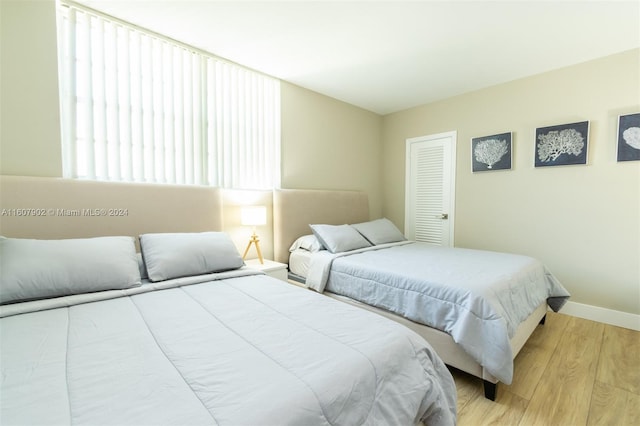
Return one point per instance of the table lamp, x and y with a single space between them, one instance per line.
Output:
253 216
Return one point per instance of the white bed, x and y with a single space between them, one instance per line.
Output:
354 274
228 347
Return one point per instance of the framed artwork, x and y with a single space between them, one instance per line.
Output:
491 152
629 137
562 145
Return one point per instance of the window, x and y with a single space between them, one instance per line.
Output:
139 107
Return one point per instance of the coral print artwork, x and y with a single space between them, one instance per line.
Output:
562 145
491 153
629 137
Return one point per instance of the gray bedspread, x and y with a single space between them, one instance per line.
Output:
247 350
478 297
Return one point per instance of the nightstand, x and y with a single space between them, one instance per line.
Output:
274 269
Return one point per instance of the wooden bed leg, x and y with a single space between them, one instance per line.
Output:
490 390
544 318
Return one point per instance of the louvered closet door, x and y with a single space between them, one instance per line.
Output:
429 189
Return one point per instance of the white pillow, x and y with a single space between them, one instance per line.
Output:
380 231
175 255
339 238
306 242
38 269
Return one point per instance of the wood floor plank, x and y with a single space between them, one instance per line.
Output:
531 362
469 387
584 327
587 378
563 394
506 410
611 406
620 359
548 335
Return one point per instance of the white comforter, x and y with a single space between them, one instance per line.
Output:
239 351
478 297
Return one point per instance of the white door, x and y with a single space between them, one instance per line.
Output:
430 188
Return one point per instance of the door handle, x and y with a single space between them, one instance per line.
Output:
443 216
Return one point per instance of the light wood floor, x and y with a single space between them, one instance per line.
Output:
571 372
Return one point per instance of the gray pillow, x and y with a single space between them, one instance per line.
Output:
339 238
380 231
39 269
141 267
175 255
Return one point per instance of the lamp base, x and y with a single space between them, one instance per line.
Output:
254 240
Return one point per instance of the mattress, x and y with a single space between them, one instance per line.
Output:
299 261
477 297
235 350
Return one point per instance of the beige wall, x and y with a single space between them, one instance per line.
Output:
29 111
328 144
582 221
325 143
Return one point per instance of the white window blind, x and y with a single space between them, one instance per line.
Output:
139 107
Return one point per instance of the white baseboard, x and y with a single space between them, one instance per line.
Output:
607 316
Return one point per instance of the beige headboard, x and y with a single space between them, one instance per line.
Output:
295 209
54 208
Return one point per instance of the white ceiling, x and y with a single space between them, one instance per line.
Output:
387 56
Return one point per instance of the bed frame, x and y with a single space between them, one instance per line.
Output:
294 210
57 208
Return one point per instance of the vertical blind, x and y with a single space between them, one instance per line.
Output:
139 107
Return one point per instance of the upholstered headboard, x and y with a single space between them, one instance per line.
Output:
295 209
54 208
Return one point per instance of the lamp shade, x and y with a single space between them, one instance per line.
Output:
253 216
